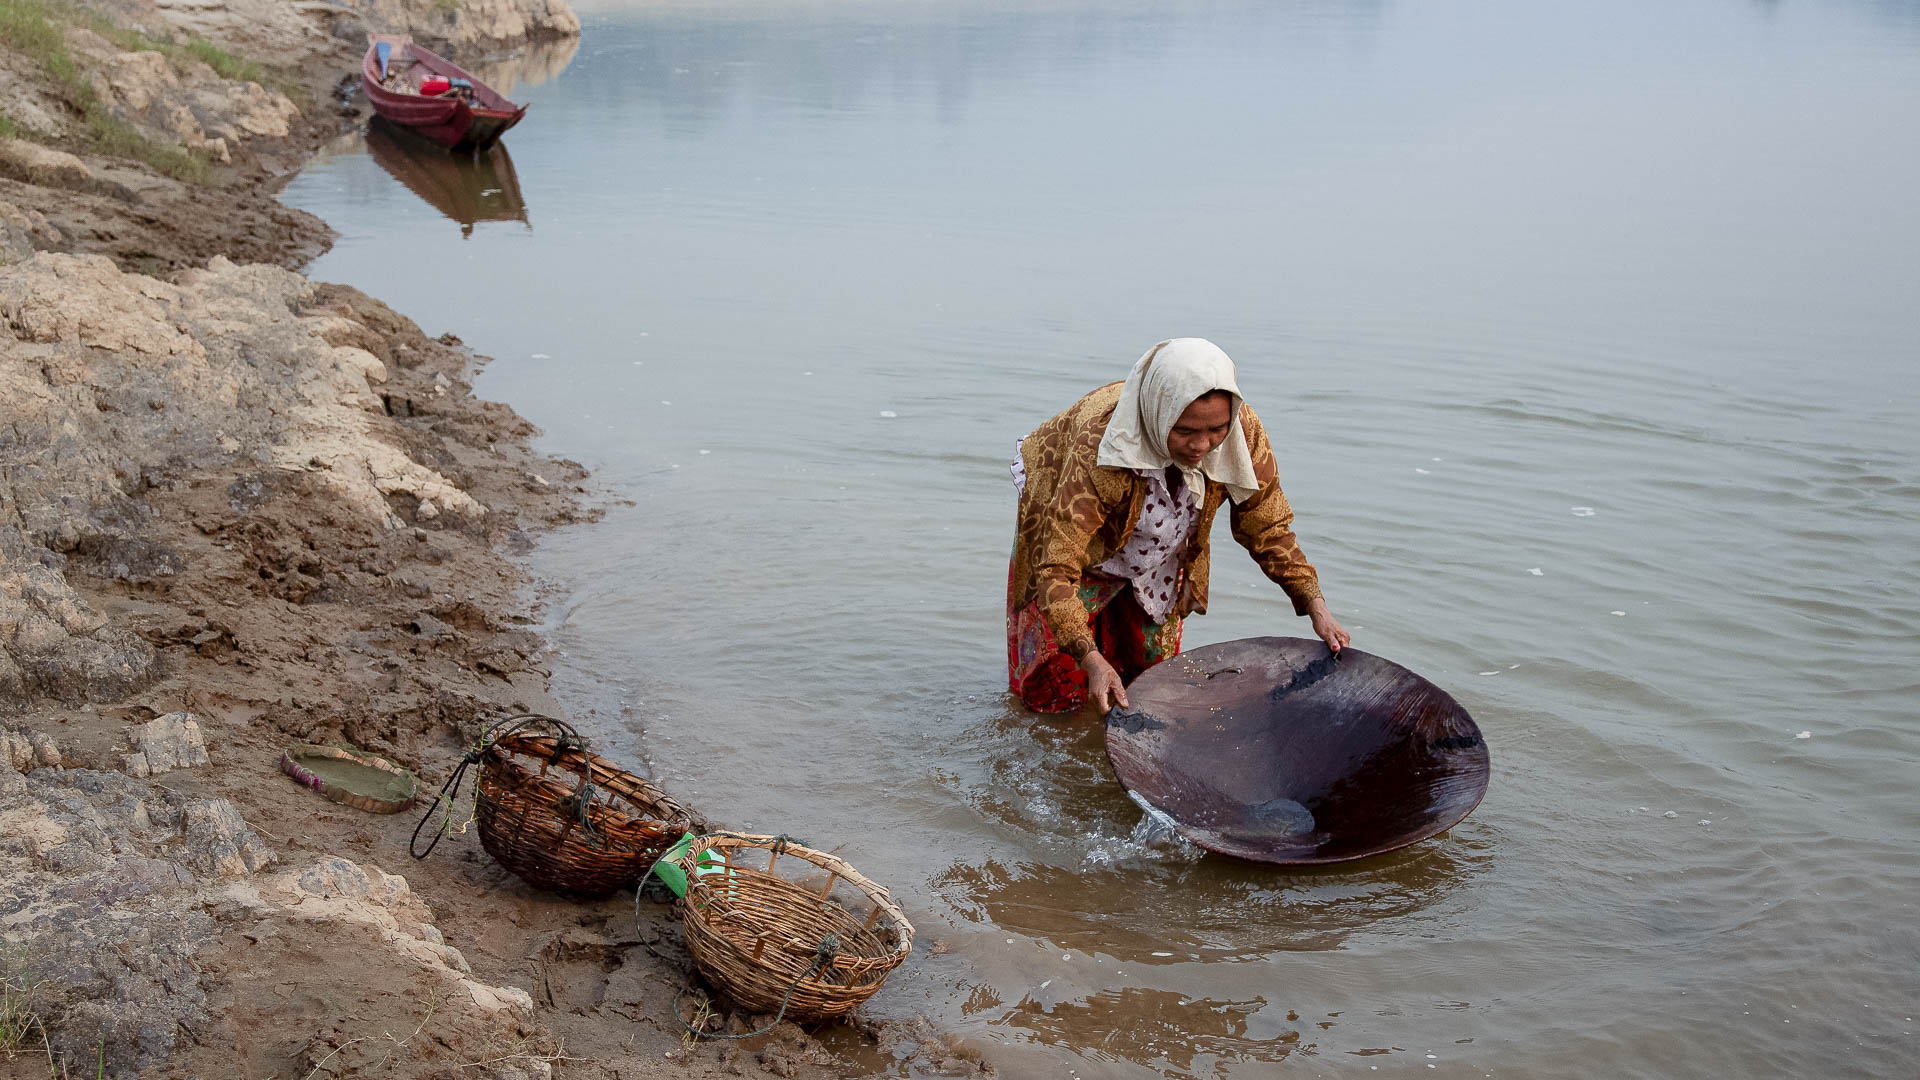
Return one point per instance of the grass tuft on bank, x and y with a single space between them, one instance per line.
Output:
20 1027
24 27
224 64
34 29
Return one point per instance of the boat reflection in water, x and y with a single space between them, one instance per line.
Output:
468 188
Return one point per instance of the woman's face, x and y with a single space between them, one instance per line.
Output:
1200 428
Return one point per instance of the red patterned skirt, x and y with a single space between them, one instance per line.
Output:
1048 680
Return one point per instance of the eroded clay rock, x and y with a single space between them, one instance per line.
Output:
51 643
105 876
182 101
482 25
337 889
335 876
24 751
114 382
172 741
32 104
45 754
23 232
43 166
86 300
218 842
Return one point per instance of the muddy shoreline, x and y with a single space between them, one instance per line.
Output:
241 510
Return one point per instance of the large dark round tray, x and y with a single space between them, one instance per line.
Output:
1274 750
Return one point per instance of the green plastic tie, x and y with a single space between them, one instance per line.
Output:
667 869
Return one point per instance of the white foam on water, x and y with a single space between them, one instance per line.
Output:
1583 511
1152 840
1155 823
888 414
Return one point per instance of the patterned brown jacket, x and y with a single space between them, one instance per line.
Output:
1075 514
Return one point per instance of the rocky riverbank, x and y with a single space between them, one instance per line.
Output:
240 509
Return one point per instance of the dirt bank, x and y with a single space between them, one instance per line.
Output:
240 509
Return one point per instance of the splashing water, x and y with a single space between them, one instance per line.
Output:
1155 826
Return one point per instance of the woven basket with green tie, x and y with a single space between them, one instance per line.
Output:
773 924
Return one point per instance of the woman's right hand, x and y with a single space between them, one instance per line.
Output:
1104 687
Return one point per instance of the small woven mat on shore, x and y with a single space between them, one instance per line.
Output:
363 781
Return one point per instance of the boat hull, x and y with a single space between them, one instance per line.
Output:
451 121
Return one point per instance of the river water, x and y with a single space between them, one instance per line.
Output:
1587 334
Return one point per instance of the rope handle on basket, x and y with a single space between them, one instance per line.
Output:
442 802
777 844
568 739
822 958
575 805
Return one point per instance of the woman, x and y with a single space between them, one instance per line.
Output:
1117 497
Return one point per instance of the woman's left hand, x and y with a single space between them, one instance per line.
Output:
1326 627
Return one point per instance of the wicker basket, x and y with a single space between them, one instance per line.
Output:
528 803
756 933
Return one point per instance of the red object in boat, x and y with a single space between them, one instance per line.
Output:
451 120
435 85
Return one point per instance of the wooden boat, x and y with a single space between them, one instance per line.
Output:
470 116
468 189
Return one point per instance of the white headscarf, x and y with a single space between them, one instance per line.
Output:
1170 377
